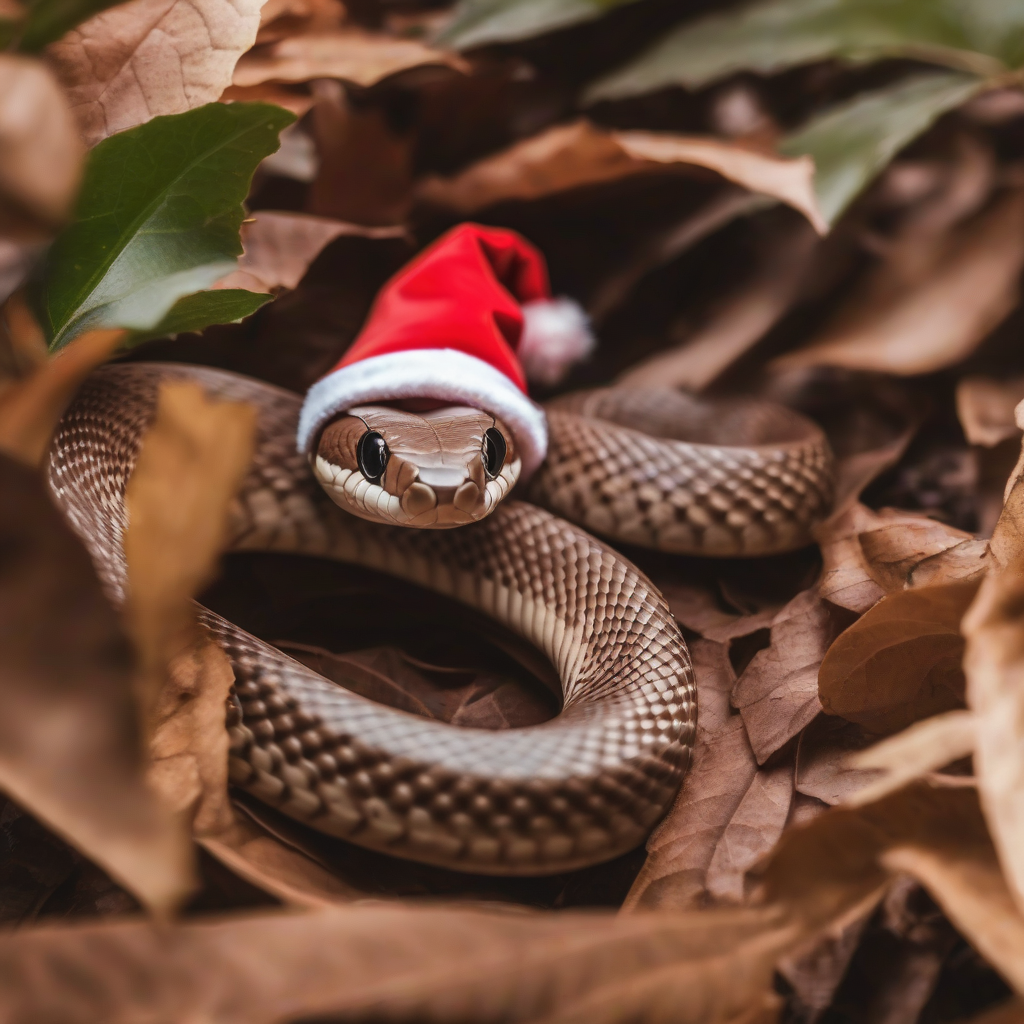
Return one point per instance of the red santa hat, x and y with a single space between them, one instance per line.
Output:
467 322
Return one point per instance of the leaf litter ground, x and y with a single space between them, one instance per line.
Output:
847 844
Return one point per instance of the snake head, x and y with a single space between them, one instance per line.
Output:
434 470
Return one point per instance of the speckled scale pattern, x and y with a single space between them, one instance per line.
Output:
581 788
758 491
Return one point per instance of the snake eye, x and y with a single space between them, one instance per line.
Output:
495 450
373 455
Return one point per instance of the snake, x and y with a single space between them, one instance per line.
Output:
659 469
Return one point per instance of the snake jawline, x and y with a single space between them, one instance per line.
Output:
582 788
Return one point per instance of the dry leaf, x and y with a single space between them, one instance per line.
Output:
70 751
40 151
279 247
752 831
777 694
682 847
993 663
824 768
739 323
192 461
580 153
150 57
350 54
31 408
985 408
366 169
941 313
189 745
400 963
869 554
900 661
272 865
922 748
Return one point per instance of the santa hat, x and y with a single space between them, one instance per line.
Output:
467 322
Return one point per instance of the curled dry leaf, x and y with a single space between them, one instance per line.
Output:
922 748
985 408
40 150
70 750
150 57
921 318
580 153
777 694
30 409
900 661
350 54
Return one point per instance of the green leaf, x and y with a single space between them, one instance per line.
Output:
157 218
48 20
852 142
194 312
477 22
981 36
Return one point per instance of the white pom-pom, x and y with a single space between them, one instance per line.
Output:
556 334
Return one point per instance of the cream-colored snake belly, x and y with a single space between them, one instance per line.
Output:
578 789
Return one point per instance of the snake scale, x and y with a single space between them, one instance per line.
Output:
581 788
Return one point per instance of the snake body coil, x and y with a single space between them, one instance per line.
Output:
581 788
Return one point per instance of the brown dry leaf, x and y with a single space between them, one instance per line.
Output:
741 321
752 832
777 694
150 57
937 835
922 748
964 878
993 664
681 849
366 169
297 100
31 408
1011 1012
71 750
351 54
824 767
920 318
900 661
189 745
401 963
869 554
985 407
40 151
266 861
580 153
191 463
280 246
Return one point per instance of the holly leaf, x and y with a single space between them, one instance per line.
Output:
853 141
157 220
478 22
981 36
194 312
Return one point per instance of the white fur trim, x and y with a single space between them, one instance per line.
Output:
442 373
556 334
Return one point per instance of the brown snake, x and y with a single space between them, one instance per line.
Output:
581 788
